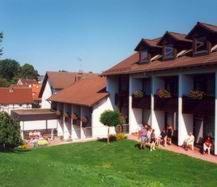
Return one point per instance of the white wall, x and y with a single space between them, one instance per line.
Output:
98 129
185 121
112 88
38 125
10 107
135 115
45 95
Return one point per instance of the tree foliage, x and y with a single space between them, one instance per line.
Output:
11 71
9 132
1 37
28 72
111 119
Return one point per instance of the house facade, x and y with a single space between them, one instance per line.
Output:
171 80
54 82
79 108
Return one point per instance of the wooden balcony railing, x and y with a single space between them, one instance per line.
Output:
143 102
204 106
166 104
122 99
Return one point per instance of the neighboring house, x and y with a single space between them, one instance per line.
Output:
177 75
27 82
15 98
79 108
56 81
30 83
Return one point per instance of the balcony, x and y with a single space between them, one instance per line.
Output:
166 104
122 99
141 102
204 106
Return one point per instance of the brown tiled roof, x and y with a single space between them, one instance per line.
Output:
61 80
177 36
86 92
206 26
148 42
15 96
130 64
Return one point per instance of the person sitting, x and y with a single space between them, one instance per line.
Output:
207 145
163 136
189 141
169 135
153 141
143 136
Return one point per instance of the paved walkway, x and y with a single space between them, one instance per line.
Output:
177 149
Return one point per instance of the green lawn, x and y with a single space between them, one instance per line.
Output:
99 164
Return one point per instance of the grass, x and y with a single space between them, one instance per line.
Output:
98 164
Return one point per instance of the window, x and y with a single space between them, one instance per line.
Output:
200 45
168 52
144 56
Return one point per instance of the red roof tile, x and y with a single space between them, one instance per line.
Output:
61 80
85 92
130 64
15 96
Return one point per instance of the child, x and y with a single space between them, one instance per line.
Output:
153 140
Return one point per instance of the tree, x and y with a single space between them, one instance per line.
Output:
9 68
1 37
4 82
28 72
111 119
9 132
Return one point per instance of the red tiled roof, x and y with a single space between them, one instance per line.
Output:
61 80
177 36
15 96
86 92
206 26
130 64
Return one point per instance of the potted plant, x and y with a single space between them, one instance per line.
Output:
74 116
138 94
163 93
196 94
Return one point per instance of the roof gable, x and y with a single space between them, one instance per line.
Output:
202 29
86 92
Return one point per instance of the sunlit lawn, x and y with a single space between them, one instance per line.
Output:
99 164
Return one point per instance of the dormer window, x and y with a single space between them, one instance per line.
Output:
144 56
200 45
168 52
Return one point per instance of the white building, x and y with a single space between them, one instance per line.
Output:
177 76
79 108
56 81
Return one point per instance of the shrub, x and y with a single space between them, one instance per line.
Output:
9 132
111 119
121 136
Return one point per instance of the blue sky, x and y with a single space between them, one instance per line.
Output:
91 35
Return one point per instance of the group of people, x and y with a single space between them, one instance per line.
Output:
148 138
